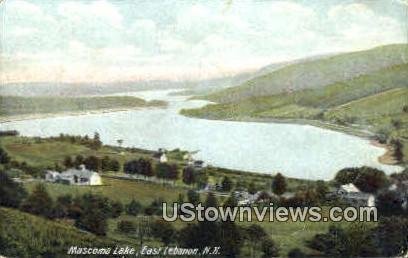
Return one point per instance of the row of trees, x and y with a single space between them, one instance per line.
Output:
94 143
93 163
144 167
226 234
170 171
4 157
387 239
367 179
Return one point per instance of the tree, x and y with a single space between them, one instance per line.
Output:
134 208
63 206
95 210
126 226
109 164
279 184
167 171
188 175
231 202
252 188
397 147
347 175
392 234
114 165
296 253
155 208
230 234
68 162
38 202
11 193
231 239
389 203
366 179
93 163
370 180
254 234
117 209
227 184
269 248
201 178
4 157
354 241
120 142
96 142
140 166
396 123
321 190
164 231
209 231
79 160
105 162
193 197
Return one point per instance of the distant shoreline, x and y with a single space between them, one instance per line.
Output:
24 117
385 158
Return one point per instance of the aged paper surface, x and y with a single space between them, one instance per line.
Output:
203 128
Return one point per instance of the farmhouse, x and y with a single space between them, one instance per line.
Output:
81 176
161 156
245 198
353 196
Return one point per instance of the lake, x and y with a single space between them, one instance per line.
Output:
300 151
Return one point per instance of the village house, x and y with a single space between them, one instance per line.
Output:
73 176
245 198
161 156
353 196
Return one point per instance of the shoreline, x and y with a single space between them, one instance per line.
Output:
23 117
385 158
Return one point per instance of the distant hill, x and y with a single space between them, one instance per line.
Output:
310 103
315 73
34 89
374 99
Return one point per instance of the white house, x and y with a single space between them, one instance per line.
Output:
81 176
244 198
349 188
352 195
163 158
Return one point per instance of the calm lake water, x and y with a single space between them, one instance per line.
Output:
299 151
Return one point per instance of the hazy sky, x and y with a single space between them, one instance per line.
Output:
49 40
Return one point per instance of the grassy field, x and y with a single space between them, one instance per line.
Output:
32 236
12 105
119 189
45 153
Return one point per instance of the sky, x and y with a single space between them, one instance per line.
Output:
124 40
